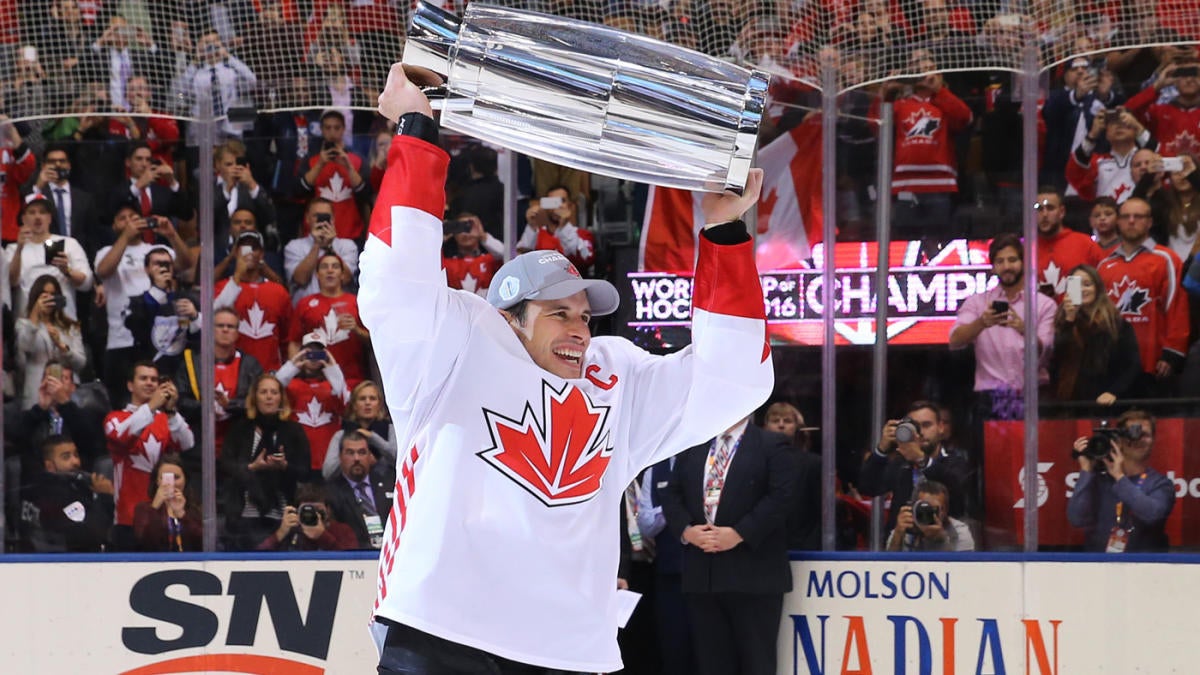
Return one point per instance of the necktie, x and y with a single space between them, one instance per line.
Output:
365 498
714 483
146 206
61 217
218 105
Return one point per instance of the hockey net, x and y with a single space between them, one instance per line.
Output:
68 57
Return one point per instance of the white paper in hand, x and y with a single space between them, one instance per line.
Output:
626 602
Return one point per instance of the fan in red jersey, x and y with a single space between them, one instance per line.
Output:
137 436
263 306
469 267
316 390
332 317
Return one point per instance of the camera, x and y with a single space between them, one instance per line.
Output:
58 301
925 514
62 173
1099 446
907 431
309 515
316 355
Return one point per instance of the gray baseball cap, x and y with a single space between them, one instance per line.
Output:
548 275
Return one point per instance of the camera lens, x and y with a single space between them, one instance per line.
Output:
906 431
308 515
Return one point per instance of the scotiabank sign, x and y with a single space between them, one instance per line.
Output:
923 294
299 617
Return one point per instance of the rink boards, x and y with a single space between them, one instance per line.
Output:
848 613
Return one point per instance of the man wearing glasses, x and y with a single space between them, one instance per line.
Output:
1060 249
1143 279
1121 501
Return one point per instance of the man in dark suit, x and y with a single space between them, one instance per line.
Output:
75 208
360 495
152 187
727 501
670 612
898 464
237 189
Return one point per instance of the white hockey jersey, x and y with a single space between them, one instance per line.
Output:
503 534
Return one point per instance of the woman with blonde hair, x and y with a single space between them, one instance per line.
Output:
1095 355
367 415
264 456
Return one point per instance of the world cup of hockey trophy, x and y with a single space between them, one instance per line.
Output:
590 97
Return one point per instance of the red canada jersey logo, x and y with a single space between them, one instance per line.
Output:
559 457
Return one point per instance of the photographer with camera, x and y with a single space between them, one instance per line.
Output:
1119 499
926 525
308 526
469 266
316 390
300 255
550 225
911 451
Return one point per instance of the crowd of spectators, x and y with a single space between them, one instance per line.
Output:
99 217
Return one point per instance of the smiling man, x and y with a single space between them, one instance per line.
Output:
519 431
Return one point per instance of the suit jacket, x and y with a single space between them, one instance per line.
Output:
86 226
263 208
891 473
754 501
163 201
344 502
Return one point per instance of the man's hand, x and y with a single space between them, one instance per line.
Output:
1115 462
538 218
1107 398
1070 309
159 398
1162 369
698 535
622 585
101 485
1099 121
723 539
401 95
100 298
722 208
887 440
47 175
323 234
1085 463
1084 85
991 318
290 521
1015 322
904 519
347 322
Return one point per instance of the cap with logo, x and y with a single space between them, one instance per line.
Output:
548 275
251 235
313 339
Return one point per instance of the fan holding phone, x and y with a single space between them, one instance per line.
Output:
995 320
37 252
1095 354
550 225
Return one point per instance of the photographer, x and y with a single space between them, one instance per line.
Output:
307 526
550 225
926 525
909 452
1121 502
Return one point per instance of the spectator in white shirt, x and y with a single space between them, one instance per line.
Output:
221 78
37 252
300 256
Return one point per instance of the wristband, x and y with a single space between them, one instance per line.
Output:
418 125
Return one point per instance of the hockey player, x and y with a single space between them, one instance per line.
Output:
519 431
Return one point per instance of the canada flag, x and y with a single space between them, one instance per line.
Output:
789 209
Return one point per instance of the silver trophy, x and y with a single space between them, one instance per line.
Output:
590 97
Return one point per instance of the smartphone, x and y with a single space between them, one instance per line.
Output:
455 227
1075 290
1000 306
324 218
167 479
53 248
316 355
29 53
245 250
1172 164
550 202
55 370
328 145
1181 71
58 301
242 161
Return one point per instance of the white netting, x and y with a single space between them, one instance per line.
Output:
65 57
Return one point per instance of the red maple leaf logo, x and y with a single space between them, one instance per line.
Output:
559 458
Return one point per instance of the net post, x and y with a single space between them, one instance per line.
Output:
1029 156
829 79
883 220
206 137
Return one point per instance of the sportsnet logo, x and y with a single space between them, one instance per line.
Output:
1129 297
561 457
